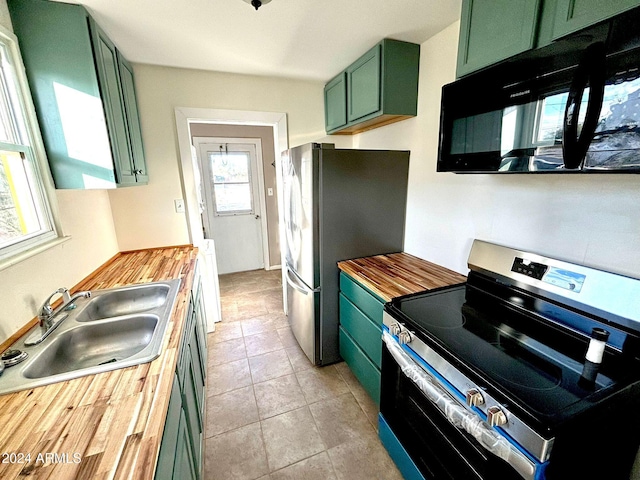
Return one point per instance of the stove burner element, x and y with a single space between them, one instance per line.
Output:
546 379
13 357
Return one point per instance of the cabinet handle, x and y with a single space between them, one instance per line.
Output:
138 172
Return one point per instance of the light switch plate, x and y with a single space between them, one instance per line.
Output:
179 204
270 192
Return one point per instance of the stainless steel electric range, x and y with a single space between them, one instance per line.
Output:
529 370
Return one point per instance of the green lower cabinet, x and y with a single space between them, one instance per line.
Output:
361 333
185 466
192 400
176 460
363 368
182 441
169 446
364 332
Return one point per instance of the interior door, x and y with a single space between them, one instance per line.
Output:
232 206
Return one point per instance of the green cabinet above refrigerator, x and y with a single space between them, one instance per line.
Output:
84 94
379 88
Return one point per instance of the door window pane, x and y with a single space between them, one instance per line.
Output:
231 182
232 197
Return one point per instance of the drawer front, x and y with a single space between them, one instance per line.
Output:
368 303
364 332
364 370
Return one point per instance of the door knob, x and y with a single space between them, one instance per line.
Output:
257 217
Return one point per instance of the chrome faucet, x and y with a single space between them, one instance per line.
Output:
47 315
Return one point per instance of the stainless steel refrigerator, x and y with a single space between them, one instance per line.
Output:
338 204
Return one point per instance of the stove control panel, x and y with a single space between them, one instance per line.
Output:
529 268
496 417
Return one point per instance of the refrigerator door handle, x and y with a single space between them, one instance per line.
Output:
298 285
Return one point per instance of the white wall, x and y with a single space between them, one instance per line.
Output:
86 218
144 216
589 219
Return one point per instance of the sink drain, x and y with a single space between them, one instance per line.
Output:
13 357
108 361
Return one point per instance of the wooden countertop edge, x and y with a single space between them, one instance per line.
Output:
135 450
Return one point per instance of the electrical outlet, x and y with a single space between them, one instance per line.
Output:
179 204
270 192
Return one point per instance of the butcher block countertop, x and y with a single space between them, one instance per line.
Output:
108 425
396 274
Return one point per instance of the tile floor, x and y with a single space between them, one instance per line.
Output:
271 415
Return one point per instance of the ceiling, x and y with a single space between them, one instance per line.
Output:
305 39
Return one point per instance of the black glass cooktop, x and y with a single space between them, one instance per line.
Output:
516 346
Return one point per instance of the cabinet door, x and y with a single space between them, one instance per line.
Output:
335 103
184 467
192 400
170 436
133 119
363 82
109 81
572 15
492 30
201 330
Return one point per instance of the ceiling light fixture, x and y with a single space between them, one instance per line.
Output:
257 3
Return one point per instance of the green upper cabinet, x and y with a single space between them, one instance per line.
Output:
492 30
379 88
335 102
572 15
82 98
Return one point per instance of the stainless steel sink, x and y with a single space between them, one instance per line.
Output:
124 301
115 328
93 346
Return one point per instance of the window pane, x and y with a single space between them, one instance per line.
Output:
232 167
8 127
233 197
18 209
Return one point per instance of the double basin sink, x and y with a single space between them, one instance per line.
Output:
113 329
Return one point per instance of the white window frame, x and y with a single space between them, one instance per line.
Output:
34 153
249 182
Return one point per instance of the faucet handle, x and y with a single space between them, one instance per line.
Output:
46 311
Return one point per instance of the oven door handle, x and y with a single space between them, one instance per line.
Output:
458 415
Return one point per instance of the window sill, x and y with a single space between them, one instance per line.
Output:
22 256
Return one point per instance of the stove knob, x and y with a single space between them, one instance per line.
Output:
496 417
395 329
474 397
405 337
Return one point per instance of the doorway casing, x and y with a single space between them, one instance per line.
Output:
187 115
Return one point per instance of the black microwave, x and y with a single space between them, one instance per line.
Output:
572 106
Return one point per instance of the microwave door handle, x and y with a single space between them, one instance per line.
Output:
591 71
